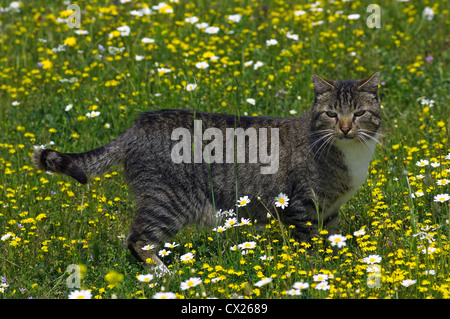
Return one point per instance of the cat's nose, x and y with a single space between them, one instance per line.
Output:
345 129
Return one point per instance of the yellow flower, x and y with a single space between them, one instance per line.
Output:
41 216
46 64
113 278
165 8
70 41
208 54
114 34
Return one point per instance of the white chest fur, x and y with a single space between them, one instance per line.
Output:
357 156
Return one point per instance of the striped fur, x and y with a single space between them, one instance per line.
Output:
316 152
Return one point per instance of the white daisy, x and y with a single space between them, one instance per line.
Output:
292 36
263 282
320 277
281 201
164 295
81 32
191 87
247 245
80 294
202 65
145 278
191 282
162 71
442 182
234 18
243 201
187 257
353 16
429 250
92 114
299 13
300 285
245 221
422 162
360 232
212 30
408 282
293 292
147 40
230 222
171 245
257 65
220 229
191 20
323 286
435 164
202 25
124 30
164 253
337 240
251 101
372 259
441 198
271 42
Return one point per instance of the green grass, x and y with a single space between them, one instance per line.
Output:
49 222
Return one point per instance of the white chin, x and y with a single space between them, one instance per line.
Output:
345 140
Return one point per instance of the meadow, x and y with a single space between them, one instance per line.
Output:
74 82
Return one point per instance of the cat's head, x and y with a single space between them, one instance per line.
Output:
346 111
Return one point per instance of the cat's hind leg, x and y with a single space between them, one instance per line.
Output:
150 228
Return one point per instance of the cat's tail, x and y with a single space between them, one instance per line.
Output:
80 165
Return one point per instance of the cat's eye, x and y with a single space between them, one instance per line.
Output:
359 113
331 114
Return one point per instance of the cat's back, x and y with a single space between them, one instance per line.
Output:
156 128
185 118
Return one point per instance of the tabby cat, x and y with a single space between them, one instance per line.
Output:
323 158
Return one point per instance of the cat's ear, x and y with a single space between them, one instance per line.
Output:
321 85
370 84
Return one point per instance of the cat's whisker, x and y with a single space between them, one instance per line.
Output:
362 138
330 144
320 133
318 140
325 137
372 134
330 137
370 137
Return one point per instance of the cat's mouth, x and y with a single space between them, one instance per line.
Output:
350 136
362 136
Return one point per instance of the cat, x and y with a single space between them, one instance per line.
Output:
322 159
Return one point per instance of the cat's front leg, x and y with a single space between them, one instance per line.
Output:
303 217
332 224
